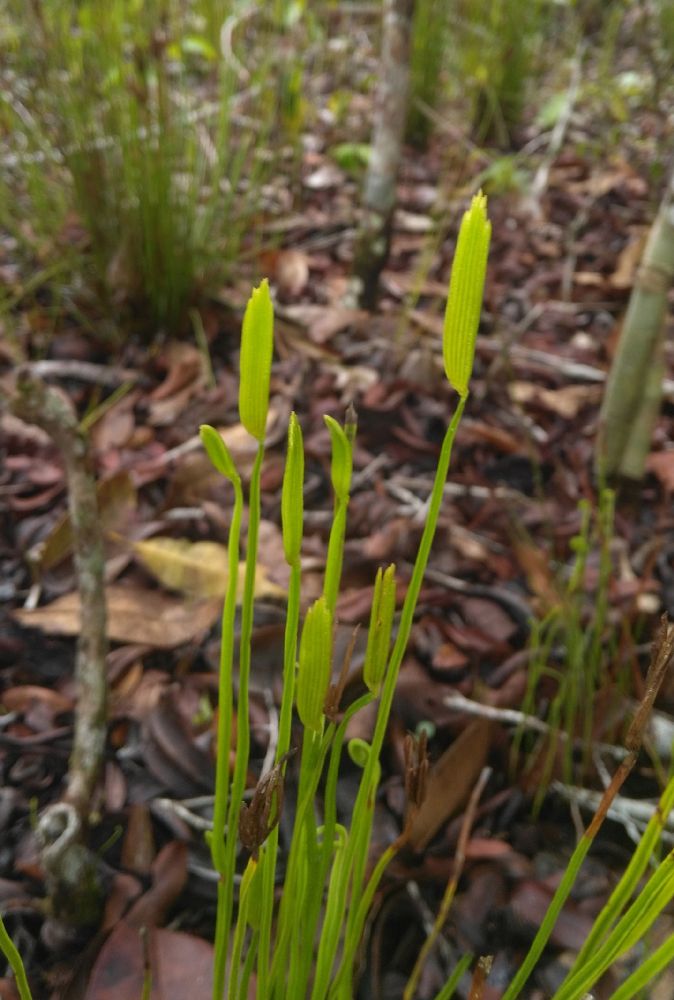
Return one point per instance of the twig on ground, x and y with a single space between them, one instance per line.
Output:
513 717
85 371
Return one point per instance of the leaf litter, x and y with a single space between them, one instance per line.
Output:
556 292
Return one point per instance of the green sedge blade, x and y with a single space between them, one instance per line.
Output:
314 669
257 344
464 301
218 452
292 495
342 458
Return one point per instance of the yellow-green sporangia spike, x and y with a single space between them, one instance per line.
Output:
292 495
381 623
340 470
313 673
257 344
464 301
218 452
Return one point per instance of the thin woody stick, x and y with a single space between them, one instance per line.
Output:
47 408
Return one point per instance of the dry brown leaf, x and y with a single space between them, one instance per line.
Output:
116 425
321 322
135 614
291 273
629 259
450 782
566 402
181 965
536 565
661 464
117 500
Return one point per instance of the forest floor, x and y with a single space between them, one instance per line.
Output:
521 484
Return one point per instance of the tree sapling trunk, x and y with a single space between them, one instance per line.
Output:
71 870
379 196
634 388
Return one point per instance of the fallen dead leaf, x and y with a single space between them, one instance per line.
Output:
290 271
530 902
566 402
116 425
181 965
169 875
321 322
117 500
198 569
661 464
629 259
135 615
450 781
536 565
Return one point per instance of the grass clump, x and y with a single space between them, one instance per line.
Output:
128 117
572 652
429 40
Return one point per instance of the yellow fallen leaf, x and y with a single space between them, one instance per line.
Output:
197 569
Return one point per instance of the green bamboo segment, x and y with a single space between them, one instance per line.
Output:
622 449
640 433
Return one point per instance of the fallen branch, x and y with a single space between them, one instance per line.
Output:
69 866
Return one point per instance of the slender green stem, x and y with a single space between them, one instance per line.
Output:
241 926
447 991
308 857
243 723
333 564
12 955
550 918
251 955
661 959
224 736
292 885
329 827
270 854
628 883
630 928
364 805
342 976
